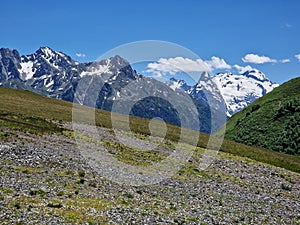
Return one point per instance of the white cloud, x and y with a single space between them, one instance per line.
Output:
80 55
217 63
298 57
257 59
285 60
177 64
243 69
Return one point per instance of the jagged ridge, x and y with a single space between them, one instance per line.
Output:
56 75
237 91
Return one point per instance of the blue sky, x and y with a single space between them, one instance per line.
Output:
228 30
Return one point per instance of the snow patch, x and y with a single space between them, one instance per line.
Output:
49 84
98 70
48 52
175 85
27 70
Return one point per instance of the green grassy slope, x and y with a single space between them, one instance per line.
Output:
38 112
271 122
31 104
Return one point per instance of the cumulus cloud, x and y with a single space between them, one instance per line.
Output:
257 59
217 63
80 55
298 57
178 64
285 60
175 65
243 69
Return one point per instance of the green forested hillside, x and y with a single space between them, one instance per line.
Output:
271 122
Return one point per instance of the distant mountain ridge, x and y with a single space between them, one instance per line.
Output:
57 75
97 84
238 91
54 73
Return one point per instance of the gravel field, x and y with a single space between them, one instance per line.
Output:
45 180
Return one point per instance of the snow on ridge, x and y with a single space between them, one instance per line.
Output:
175 85
53 57
98 70
61 54
27 70
259 74
239 91
256 74
48 52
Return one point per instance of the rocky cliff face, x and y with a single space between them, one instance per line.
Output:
9 64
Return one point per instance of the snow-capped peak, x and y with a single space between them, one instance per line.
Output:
237 91
48 69
53 57
43 62
47 51
106 66
256 74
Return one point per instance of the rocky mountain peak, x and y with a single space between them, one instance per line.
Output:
45 51
119 61
54 58
238 91
9 64
6 52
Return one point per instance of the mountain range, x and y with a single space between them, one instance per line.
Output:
57 75
54 174
238 91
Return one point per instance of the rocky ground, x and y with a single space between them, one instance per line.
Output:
45 180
